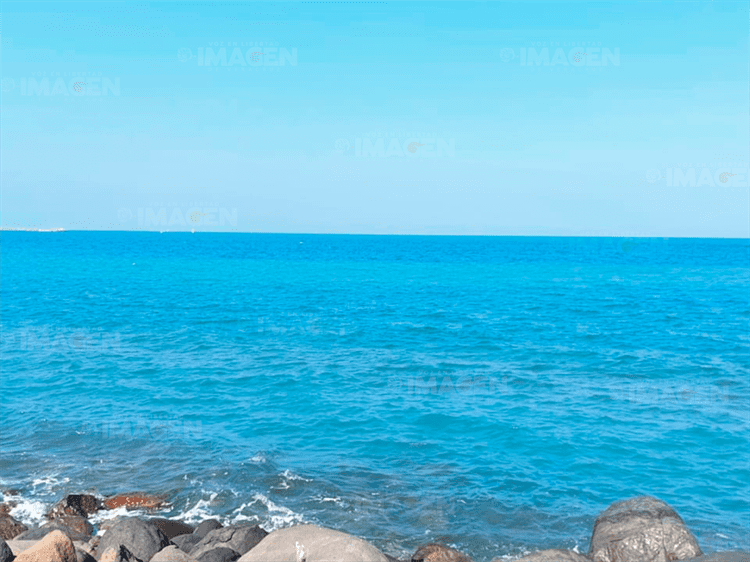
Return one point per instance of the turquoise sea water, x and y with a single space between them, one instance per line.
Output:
490 393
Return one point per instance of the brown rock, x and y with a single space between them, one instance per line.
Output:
555 555
438 553
55 547
5 508
11 492
81 505
642 529
10 528
171 554
133 501
121 554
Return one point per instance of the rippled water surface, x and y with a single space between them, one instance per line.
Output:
491 393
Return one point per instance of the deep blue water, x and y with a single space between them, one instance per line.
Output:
494 393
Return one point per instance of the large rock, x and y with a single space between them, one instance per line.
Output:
141 538
37 533
81 505
240 538
206 527
314 544
434 552
170 527
119 554
83 555
135 500
554 555
219 554
171 554
734 556
6 554
186 542
10 528
642 529
55 547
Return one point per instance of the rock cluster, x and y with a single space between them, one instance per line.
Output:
642 529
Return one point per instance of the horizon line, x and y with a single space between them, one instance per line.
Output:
62 230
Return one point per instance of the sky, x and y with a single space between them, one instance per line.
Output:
383 117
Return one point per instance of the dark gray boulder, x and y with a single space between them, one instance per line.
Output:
206 527
170 527
6 555
219 554
186 542
434 552
37 533
642 529
240 538
142 539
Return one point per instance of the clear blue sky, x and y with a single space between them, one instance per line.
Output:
385 117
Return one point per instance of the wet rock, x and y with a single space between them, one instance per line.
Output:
135 500
5 507
219 554
186 542
11 492
80 505
10 528
311 542
6 554
55 547
554 555
170 527
119 554
206 527
642 529
171 554
438 553
239 538
142 539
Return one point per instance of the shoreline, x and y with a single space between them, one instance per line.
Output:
85 519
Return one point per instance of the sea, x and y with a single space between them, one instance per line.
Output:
491 393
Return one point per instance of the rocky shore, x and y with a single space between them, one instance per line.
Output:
642 529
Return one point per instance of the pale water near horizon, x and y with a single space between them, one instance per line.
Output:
493 393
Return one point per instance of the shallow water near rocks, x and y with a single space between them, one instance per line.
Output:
494 394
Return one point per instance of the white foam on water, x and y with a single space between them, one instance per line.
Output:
48 483
259 458
276 518
200 511
29 512
289 475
